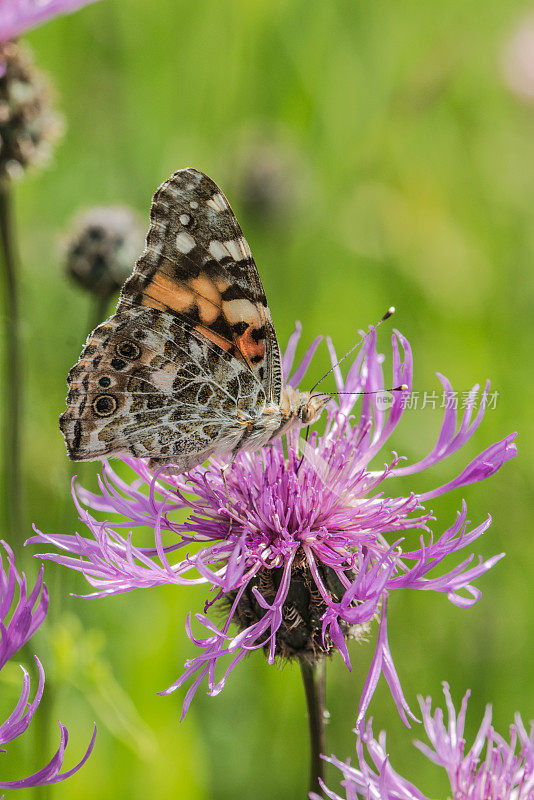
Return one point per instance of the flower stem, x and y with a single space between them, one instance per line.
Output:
97 312
314 680
12 370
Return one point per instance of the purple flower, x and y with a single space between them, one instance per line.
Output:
493 769
300 555
29 612
26 618
18 16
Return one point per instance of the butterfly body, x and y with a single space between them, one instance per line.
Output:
189 365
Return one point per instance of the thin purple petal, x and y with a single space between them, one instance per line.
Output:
19 16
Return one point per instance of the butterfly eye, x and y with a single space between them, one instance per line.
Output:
104 405
128 349
307 414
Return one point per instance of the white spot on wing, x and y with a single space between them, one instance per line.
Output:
232 245
173 191
217 202
193 204
244 247
184 242
218 250
237 310
185 219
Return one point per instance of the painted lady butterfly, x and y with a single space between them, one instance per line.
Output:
189 366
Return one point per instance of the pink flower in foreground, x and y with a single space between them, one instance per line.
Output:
24 619
18 16
300 556
492 769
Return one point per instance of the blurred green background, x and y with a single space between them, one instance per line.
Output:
402 172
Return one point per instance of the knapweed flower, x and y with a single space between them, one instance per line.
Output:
17 626
101 247
18 16
301 554
492 769
28 124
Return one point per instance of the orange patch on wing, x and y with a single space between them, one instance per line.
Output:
150 303
163 293
220 341
221 284
207 298
253 351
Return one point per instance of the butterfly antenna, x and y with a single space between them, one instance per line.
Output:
389 313
402 387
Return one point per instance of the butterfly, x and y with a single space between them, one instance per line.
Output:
189 365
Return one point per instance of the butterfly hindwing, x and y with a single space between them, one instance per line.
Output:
149 385
198 266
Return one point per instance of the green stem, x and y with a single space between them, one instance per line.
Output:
13 399
97 312
314 680
12 371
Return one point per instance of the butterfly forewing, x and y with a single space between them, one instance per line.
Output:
198 266
191 356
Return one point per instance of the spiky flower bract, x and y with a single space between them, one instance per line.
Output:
301 554
494 768
19 619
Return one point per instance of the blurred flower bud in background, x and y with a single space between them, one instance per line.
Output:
29 125
102 248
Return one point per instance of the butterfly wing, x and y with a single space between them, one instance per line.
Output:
191 346
198 266
148 386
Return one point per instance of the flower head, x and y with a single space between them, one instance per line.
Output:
18 16
28 124
101 247
24 619
492 769
301 554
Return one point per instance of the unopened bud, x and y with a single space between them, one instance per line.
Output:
300 634
103 247
28 124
